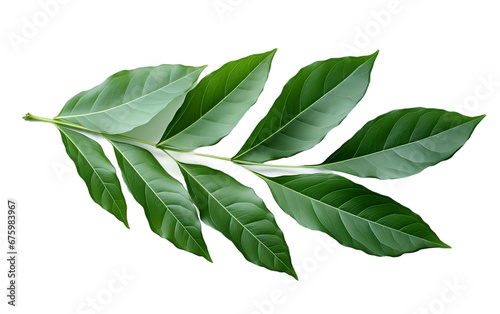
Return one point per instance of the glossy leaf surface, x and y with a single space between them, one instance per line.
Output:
129 98
313 102
214 107
240 215
97 171
355 216
167 205
403 142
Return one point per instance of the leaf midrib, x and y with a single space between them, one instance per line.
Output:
159 198
391 148
229 212
127 103
94 170
346 212
294 118
216 105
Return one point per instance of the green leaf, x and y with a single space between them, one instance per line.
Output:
313 102
167 205
355 216
97 171
214 107
402 142
129 99
239 214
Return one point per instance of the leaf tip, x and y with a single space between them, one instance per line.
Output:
121 215
481 117
289 270
272 52
293 274
441 244
445 246
476 120
208 258
27 116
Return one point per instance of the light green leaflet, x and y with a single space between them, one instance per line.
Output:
239 214
214 107
352 214
167 205
402 142
129 99
313 102
97 172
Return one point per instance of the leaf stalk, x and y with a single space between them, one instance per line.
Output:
30 117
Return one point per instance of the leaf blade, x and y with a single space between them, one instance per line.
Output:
402 142
96 171
240 215
312 103
216 104
355 216
139 94
166 203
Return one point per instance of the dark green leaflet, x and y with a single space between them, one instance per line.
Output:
403 142
239 214
214 107
167 205
129 99
313 102
97 172
352 214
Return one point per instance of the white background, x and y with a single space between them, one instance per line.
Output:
432 54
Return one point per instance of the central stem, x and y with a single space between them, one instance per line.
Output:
30 117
